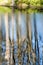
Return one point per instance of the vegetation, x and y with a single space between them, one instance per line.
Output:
4 9
35 2
31 2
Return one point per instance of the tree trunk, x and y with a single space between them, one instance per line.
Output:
12 41
19 27
13 3
28 24
0 29
7 54
28 36
36 41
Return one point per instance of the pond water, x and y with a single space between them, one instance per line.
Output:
20 20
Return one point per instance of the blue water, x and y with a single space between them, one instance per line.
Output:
22 27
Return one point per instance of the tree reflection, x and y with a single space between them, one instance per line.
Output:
18 37
36 41
7 54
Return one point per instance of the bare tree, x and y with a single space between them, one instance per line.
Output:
12 41
36 41
0 29
42 55
28 35
18 23
13 2
7 54
19 26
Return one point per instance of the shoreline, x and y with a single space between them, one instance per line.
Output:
23 7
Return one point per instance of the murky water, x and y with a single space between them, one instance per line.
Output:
18 22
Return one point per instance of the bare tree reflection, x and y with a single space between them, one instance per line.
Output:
36 41
0 29
7 54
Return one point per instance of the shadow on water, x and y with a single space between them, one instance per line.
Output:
18 39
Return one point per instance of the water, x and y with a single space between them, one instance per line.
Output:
18 22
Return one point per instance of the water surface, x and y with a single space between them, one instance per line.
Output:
20 25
